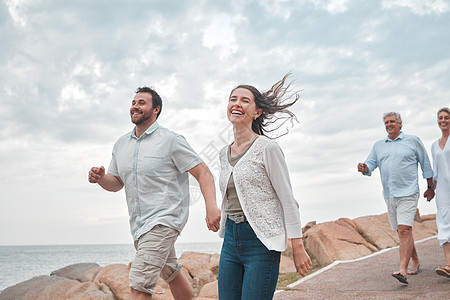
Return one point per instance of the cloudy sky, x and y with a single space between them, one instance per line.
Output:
68 71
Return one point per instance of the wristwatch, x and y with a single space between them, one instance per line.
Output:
431 187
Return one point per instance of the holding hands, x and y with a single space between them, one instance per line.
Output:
429 194
213 218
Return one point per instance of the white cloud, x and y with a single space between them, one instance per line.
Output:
280 8
220 33
14 8
72 96
422 7
69 71
332 6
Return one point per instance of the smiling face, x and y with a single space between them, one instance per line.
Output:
393 126
142 112
444 121
241 110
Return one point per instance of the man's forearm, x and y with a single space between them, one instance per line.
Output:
208 189
111 183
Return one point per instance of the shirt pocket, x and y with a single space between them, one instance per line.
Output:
153 165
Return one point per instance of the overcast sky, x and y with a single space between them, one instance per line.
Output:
69 69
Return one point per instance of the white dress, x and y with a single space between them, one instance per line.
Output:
441 166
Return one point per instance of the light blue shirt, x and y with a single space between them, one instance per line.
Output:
397 160
154 169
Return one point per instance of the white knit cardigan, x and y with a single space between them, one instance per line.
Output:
264 190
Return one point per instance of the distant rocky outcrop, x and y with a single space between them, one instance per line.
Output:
347 239
343 239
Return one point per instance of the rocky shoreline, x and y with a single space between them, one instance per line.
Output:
343 239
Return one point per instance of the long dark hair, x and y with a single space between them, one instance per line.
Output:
274 105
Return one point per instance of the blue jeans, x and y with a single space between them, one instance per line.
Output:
247 269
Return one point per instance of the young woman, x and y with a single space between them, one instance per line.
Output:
440 151
259 212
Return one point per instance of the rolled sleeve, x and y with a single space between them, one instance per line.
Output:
422 156
371 162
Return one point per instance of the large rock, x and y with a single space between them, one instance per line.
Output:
78 271
40 288
423 230
337 240
346 239
90 290
431 224
197 267
209 291
214 263
90 274
377 230
115 276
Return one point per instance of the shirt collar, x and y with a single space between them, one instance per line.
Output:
400 137
149 130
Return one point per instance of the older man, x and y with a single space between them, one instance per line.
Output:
397 157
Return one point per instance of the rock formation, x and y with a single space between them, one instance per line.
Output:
347 239
343 239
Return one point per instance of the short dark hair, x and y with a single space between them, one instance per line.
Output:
156 99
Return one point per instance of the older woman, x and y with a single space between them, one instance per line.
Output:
440 151
259 212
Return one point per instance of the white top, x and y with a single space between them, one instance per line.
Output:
154 169
264 189
441 166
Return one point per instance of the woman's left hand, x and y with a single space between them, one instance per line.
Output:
302 260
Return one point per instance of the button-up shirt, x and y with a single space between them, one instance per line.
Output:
154 169
397 160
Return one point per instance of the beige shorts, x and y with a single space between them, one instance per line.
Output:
401 210
155 257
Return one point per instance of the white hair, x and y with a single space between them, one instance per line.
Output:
393 113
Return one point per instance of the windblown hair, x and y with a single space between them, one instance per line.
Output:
447 110
156 99
274 104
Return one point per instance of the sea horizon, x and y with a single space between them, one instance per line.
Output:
23 262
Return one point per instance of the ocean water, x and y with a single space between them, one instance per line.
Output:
20 263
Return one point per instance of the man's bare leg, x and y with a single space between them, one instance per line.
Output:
415 263
181 288
137 295
407 248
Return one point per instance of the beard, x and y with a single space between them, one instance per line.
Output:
142 118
